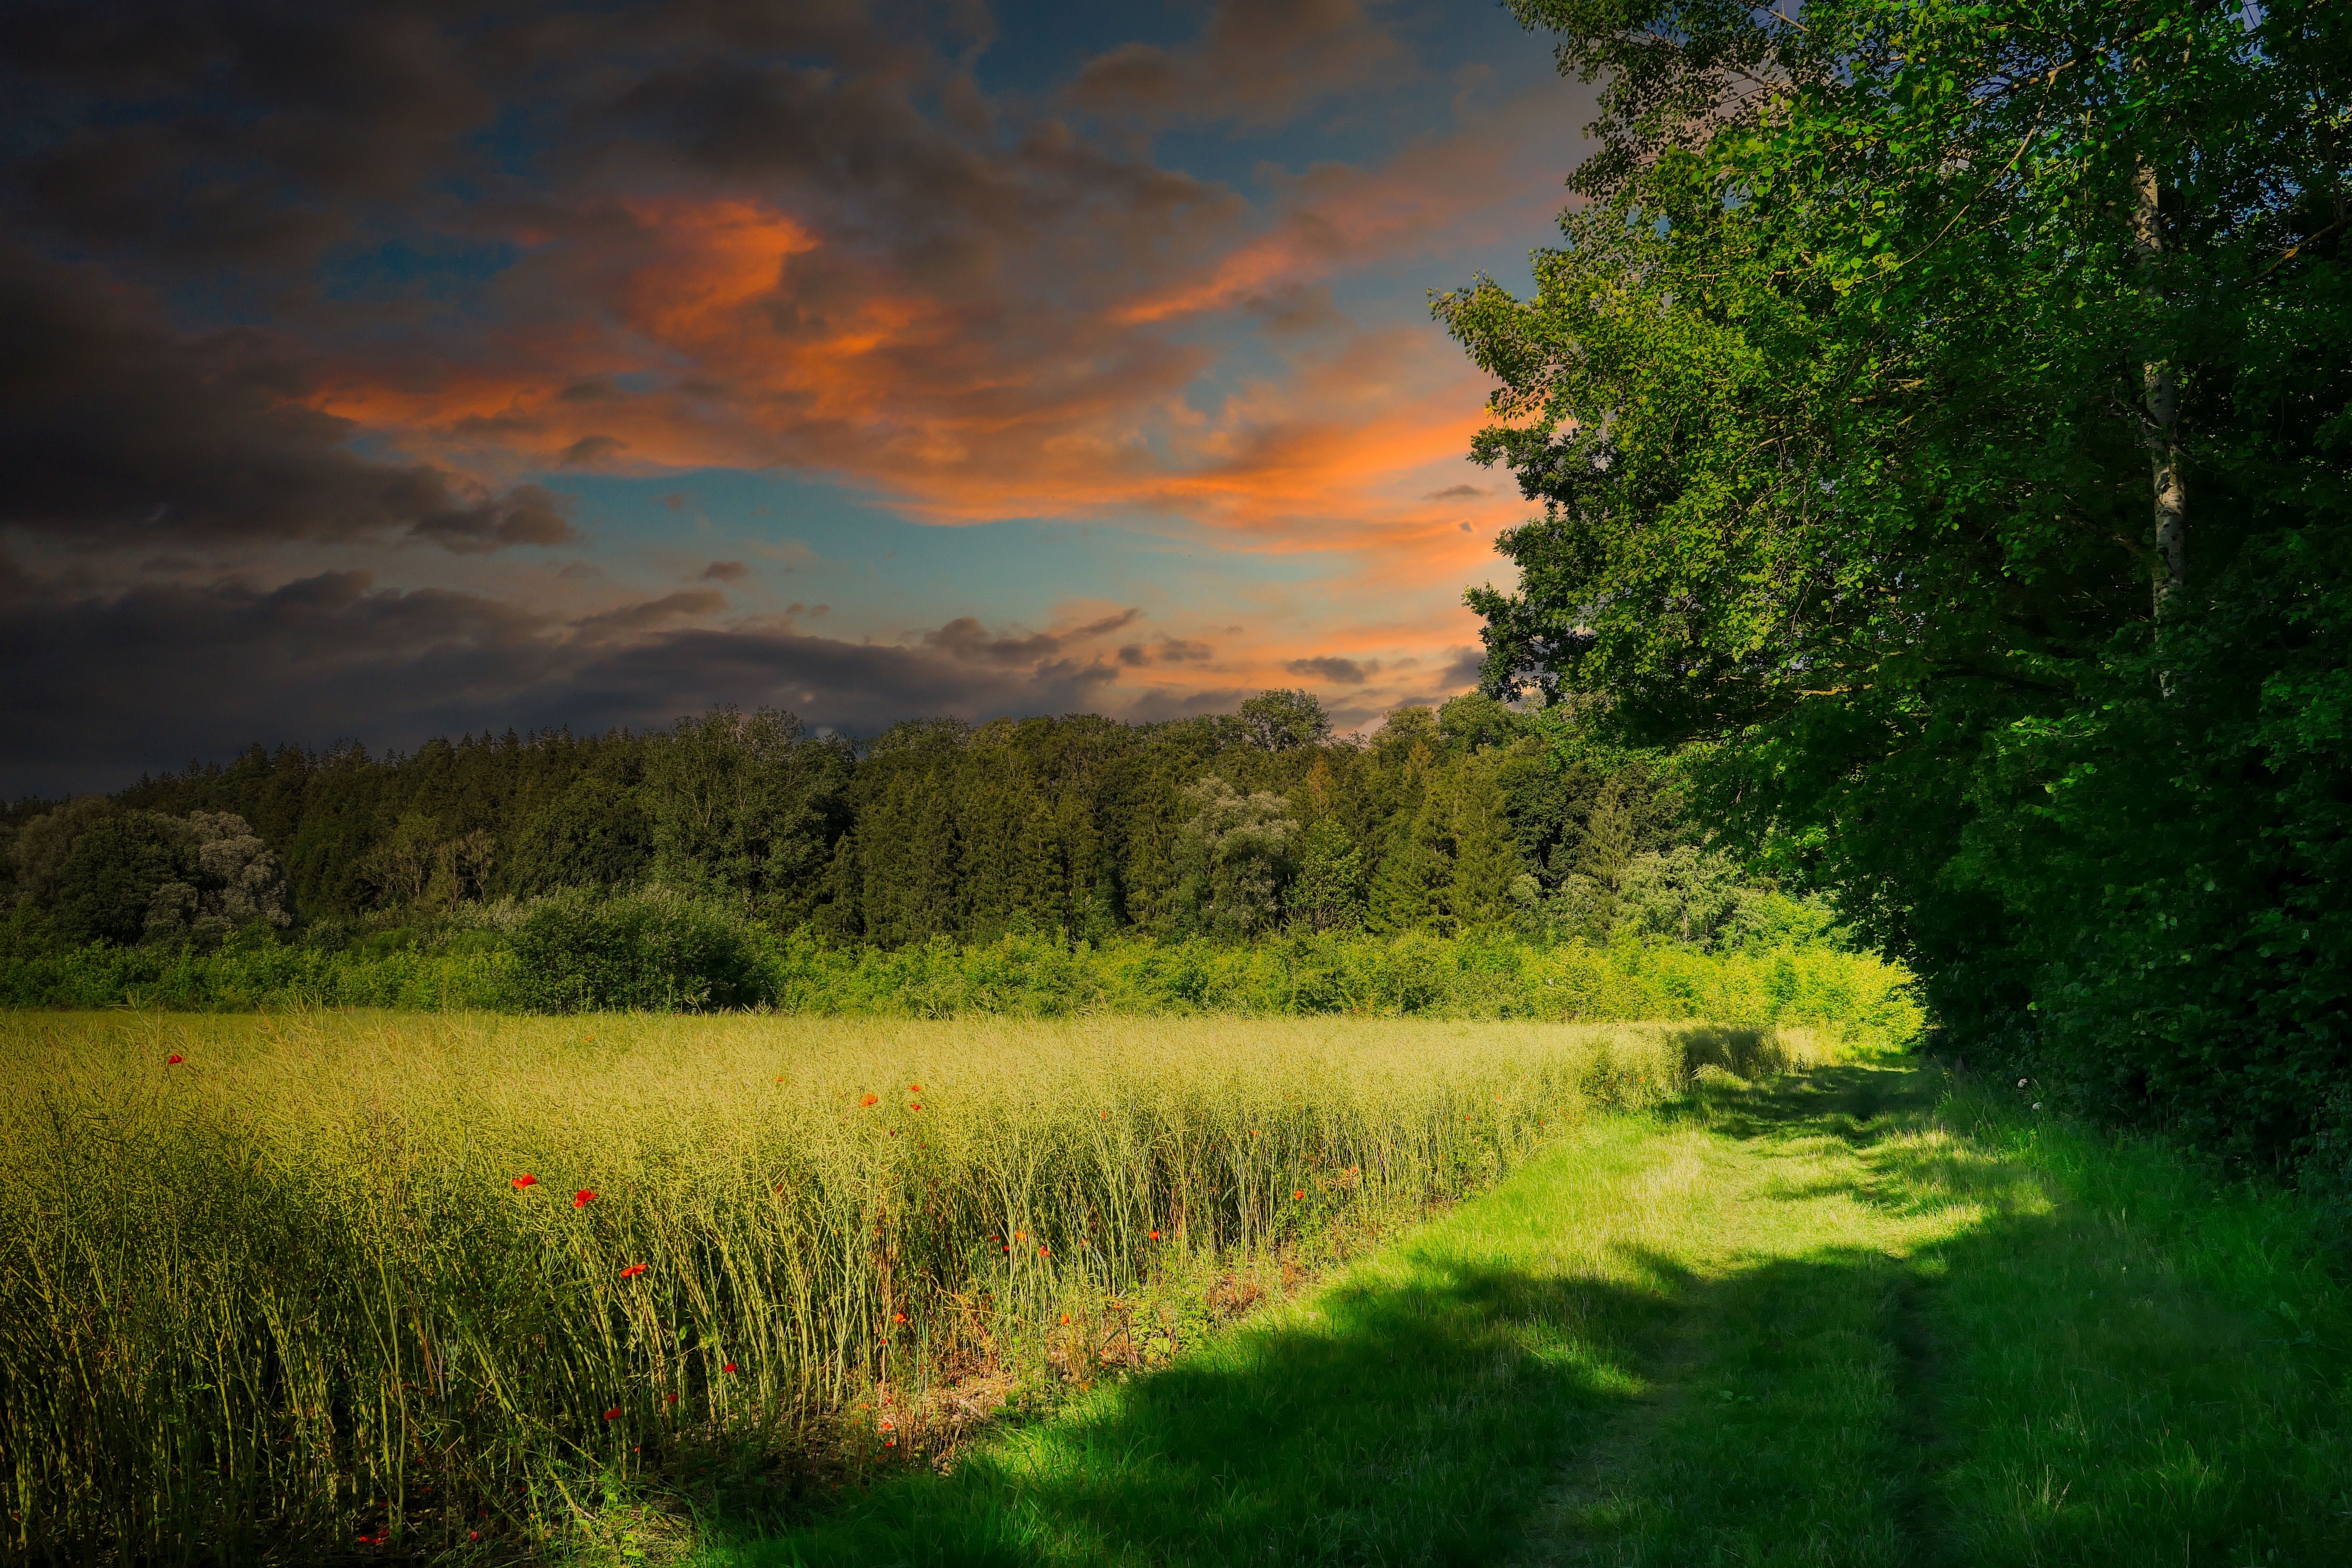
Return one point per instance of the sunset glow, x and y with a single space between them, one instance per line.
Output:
692 379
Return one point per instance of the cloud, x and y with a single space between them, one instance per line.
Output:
293 295
650 612
1339 671
590 451
1255 62
114 429
219 665
965 639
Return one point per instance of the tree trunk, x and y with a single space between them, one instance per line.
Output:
2163 393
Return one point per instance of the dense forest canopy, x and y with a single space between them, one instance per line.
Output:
1940 416
1472 817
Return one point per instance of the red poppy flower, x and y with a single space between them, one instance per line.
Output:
1066 1320
525 1180
1155 1236
728 1367
670 1398
582 1198
914 1089
1044 1251
473 1535
1299 1194
633 1270
870 1100
1020 1236
913 1108
174 1059
613 1414
898 1317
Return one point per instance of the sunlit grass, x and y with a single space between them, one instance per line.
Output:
414 1277
1840 1318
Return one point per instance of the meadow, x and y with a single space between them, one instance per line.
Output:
285 1283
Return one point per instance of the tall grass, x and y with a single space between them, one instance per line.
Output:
281 1278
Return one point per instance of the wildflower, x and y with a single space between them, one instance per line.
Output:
914 1089
525 1180
1066 1320
613 1414
473 1535
1020 1236
1299 1194
174 1059
633 1270
898 1317
913 1108
582 1198
670 1398
728 1367
1155 1236
2021 1082
1044 1251
871 1099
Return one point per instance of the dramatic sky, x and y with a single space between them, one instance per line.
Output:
398 369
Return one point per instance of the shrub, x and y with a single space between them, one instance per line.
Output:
654 950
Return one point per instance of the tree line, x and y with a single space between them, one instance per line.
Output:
1461 818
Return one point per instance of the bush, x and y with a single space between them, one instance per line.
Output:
655 951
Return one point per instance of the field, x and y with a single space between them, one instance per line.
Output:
296 1279
784 1292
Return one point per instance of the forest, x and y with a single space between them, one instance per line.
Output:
1472 818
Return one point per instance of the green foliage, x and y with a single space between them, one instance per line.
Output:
1837 396
1232 859
113 873
1327 891
654 950
1855 995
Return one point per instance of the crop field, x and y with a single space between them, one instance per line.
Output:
294 1281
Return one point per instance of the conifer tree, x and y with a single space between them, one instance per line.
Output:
1413 870
1477 893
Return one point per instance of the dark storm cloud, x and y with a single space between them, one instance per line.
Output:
215 667
1255 62
1340 671
114 429
966 640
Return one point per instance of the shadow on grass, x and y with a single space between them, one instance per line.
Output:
1976 1398
1416 1423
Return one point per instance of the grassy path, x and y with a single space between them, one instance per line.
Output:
1828 1321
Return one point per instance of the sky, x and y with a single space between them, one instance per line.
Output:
390 370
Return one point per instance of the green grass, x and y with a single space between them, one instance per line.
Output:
294 1280
1846 1317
